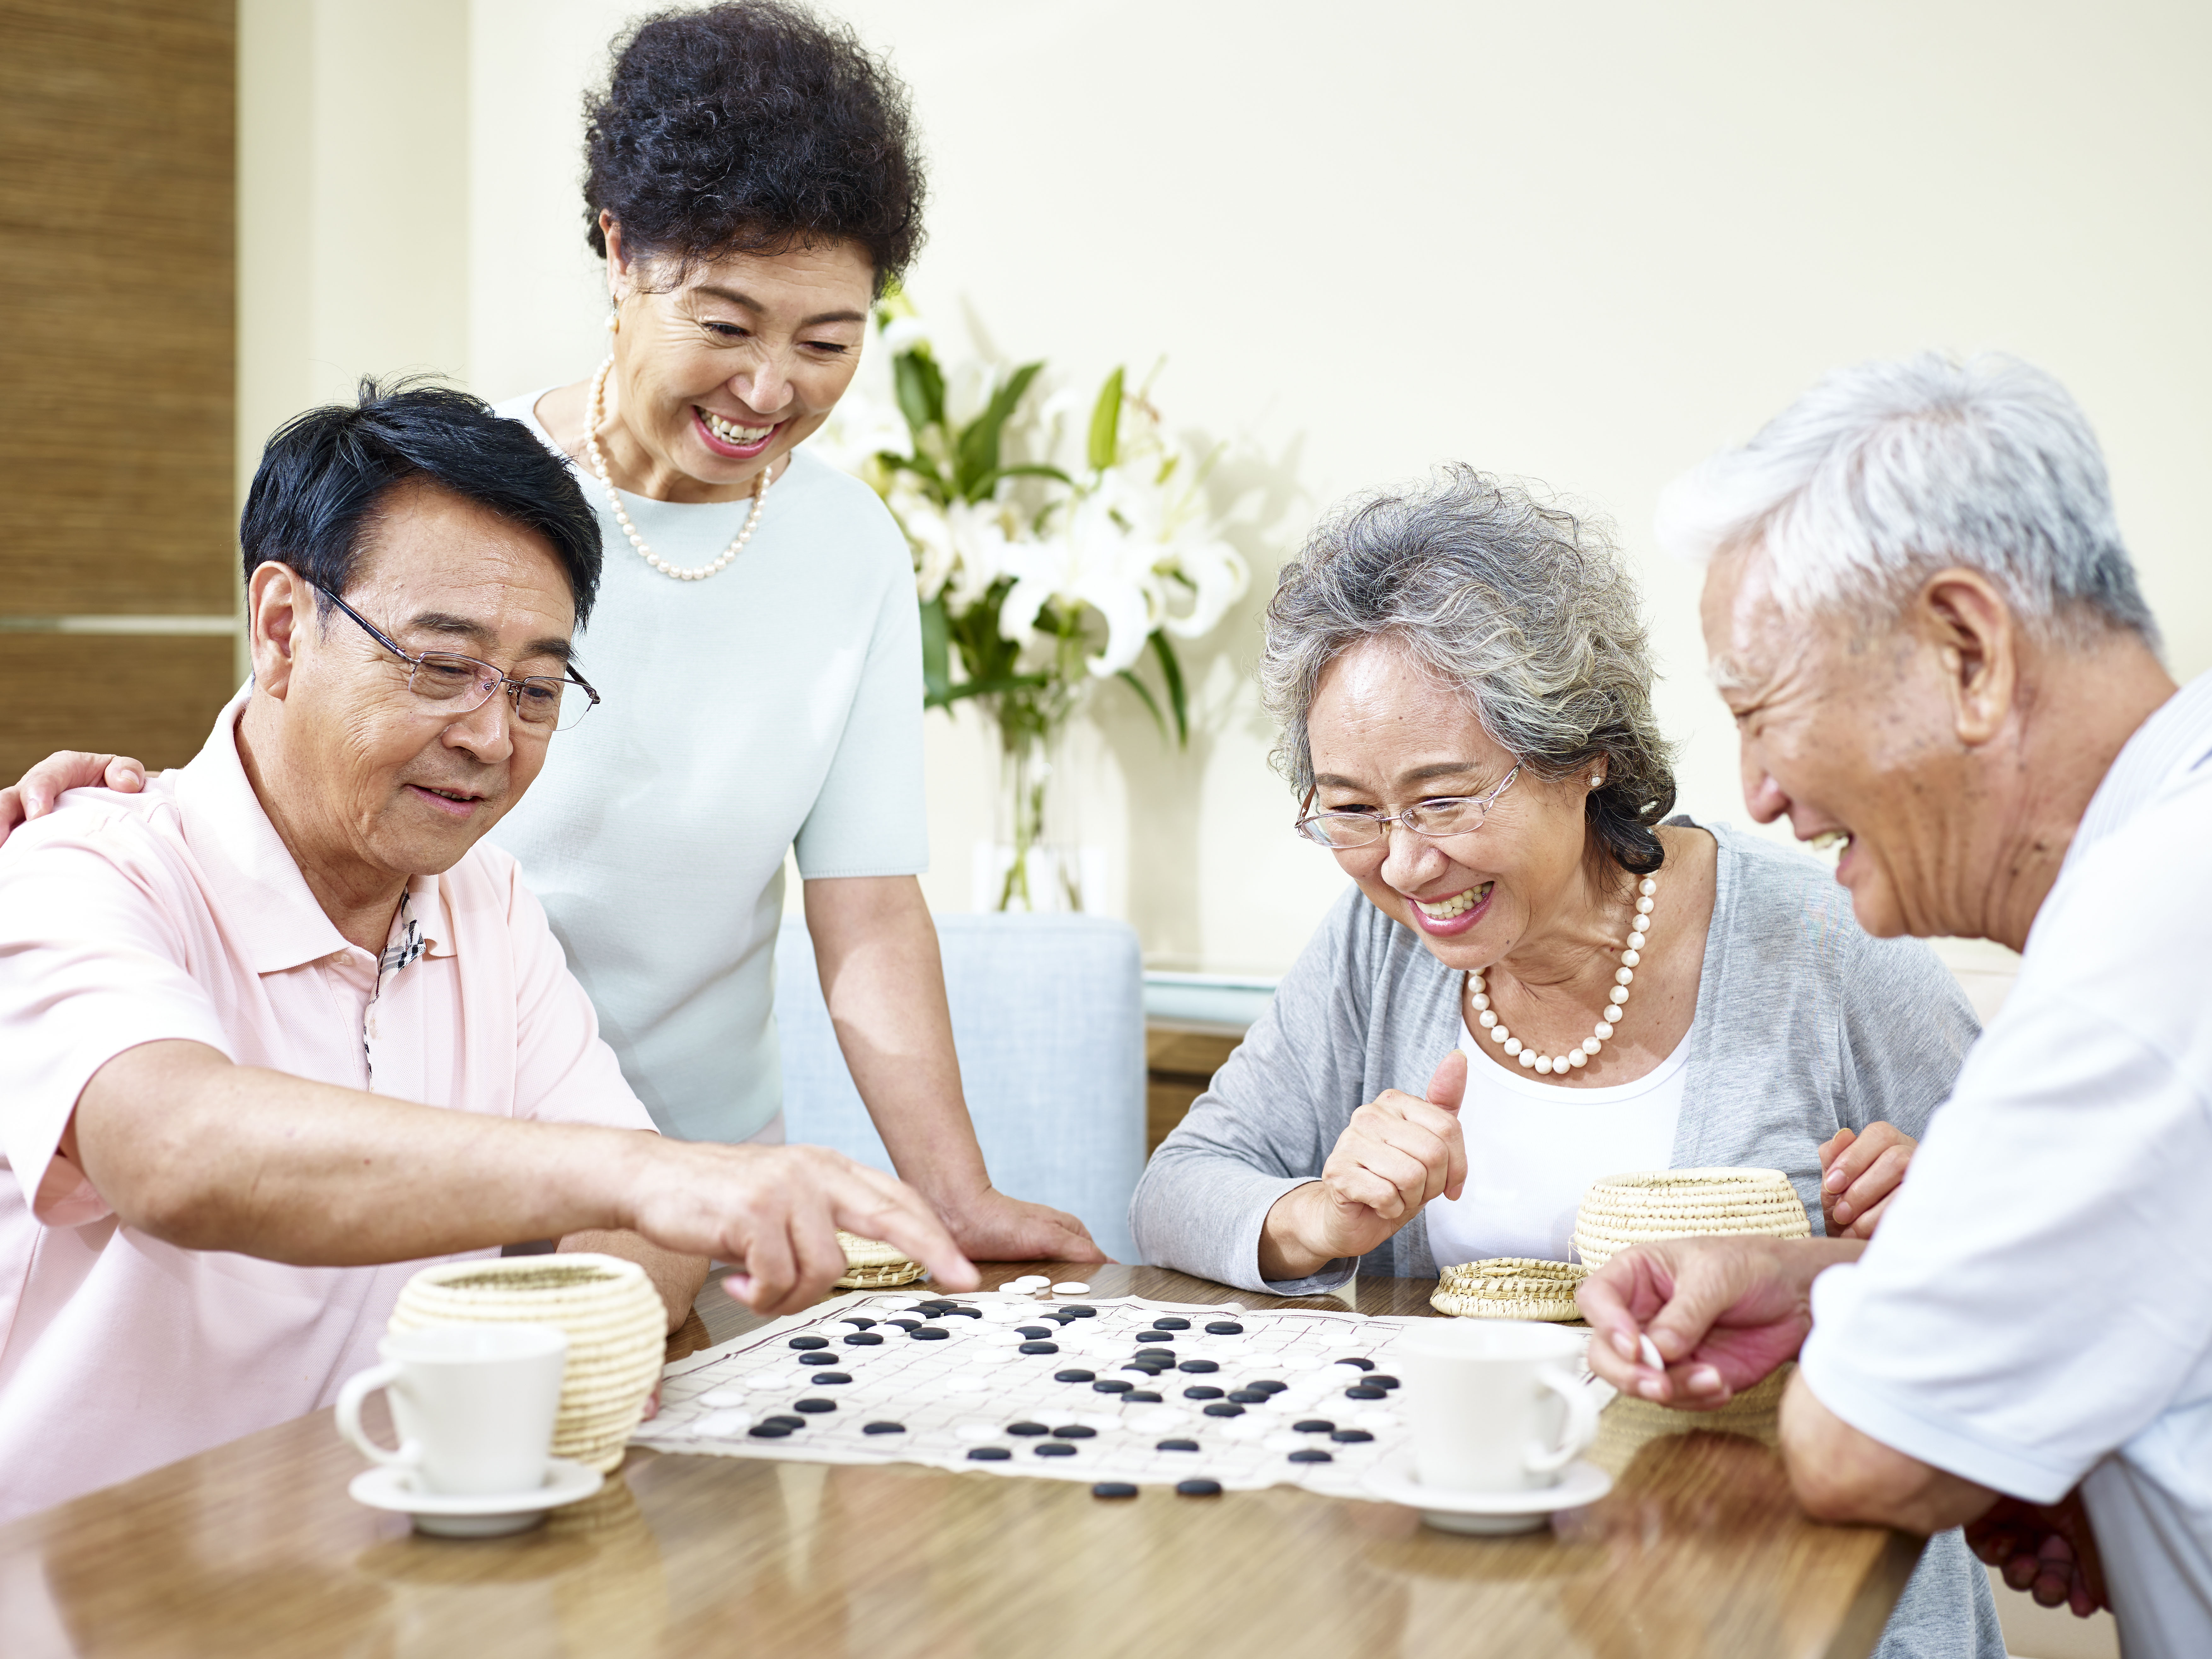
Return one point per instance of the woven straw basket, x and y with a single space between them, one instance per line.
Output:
1631 1209
872 1264
617 1329
1509 1287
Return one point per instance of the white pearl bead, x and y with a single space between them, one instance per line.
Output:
1476 982
1528 1057
1643 906
1647 887
1487 1019
1543 1065
1513 1046
1590 1045
1499 1034
1579 1058
1635 940
1480 1000
1604 1032
1630 957
1624 976
1618 995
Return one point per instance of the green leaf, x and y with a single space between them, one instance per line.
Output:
1027 470
975 457
1146 692
1106 423
936 655
1171 671
998 686
920 390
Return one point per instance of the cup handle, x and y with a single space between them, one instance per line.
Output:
357 1389
1581 1428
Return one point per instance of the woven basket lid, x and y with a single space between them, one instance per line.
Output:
1623 1210
1509 1287
871 1264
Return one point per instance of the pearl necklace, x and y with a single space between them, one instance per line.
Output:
697 572
1616 1000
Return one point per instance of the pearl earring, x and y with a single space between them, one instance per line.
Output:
614 322
1597 782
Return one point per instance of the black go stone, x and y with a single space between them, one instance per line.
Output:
1199 1488
1363 1392
929 1332
1203 1391
1178 1445
1248 1396
864 1340
934 1305
1225 1327
1144 1394
883 1428
961 1312
1077 1375
1114 1489
1165 1355
856 1322
1076 1310
1362 1364
784 1421
1075 1431
1033 1332
1055 1449
1224 1409
989 1454
817 1359
828 1379
769 1432
1313 1426
1172 1322
1351 1436
1026 1429
1197 1366
1268 1385
1375 1381
905 1324
810 1407
1038 1347
1312 1454
1111 1385
1144 1368
804 1342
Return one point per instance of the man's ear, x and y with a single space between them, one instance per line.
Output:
280 609
1977 637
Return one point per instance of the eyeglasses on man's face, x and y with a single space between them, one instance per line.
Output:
1438 820
451 685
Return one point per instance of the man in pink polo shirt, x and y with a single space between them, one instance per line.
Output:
278 1030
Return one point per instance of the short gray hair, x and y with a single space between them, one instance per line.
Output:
1884 474
1522 610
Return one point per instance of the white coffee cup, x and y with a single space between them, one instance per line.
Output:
1495 1405
474 1406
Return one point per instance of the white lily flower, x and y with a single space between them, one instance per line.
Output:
1219 574
904 334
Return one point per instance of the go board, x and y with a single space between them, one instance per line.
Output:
1100 1390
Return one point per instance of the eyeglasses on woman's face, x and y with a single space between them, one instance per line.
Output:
450 686
1438 819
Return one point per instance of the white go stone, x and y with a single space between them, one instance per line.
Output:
1101 1421
975 1433
1283 1440
720 1423
1071 1287
1241 1429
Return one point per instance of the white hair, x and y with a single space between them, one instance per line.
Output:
1883 474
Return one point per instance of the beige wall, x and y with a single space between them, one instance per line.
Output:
1585 245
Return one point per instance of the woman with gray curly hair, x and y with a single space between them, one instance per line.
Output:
1464 686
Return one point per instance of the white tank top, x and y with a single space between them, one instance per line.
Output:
1533 1148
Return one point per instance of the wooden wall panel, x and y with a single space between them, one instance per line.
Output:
118 194
152 696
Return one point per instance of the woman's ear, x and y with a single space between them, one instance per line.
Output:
618 262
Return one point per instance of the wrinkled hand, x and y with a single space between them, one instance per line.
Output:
993 1227
1721 1312
34 794
1858 1174
2049 1550
775 1212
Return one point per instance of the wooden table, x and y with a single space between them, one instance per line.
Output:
254 1549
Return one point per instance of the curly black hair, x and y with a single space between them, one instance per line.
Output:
751 127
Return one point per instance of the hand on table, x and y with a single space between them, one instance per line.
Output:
776 1211
1723 1313
993 1227
1859 1172
34 794
1397 1153
2047 1549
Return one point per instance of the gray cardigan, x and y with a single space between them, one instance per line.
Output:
1804 1024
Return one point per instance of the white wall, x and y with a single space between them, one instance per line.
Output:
1585 245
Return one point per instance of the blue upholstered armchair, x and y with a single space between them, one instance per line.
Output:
1049 1014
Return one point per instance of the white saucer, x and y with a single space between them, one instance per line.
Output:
488 1515
1488 1512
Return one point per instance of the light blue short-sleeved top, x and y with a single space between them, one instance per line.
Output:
773 705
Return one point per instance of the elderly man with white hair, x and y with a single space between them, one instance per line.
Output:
1919 611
